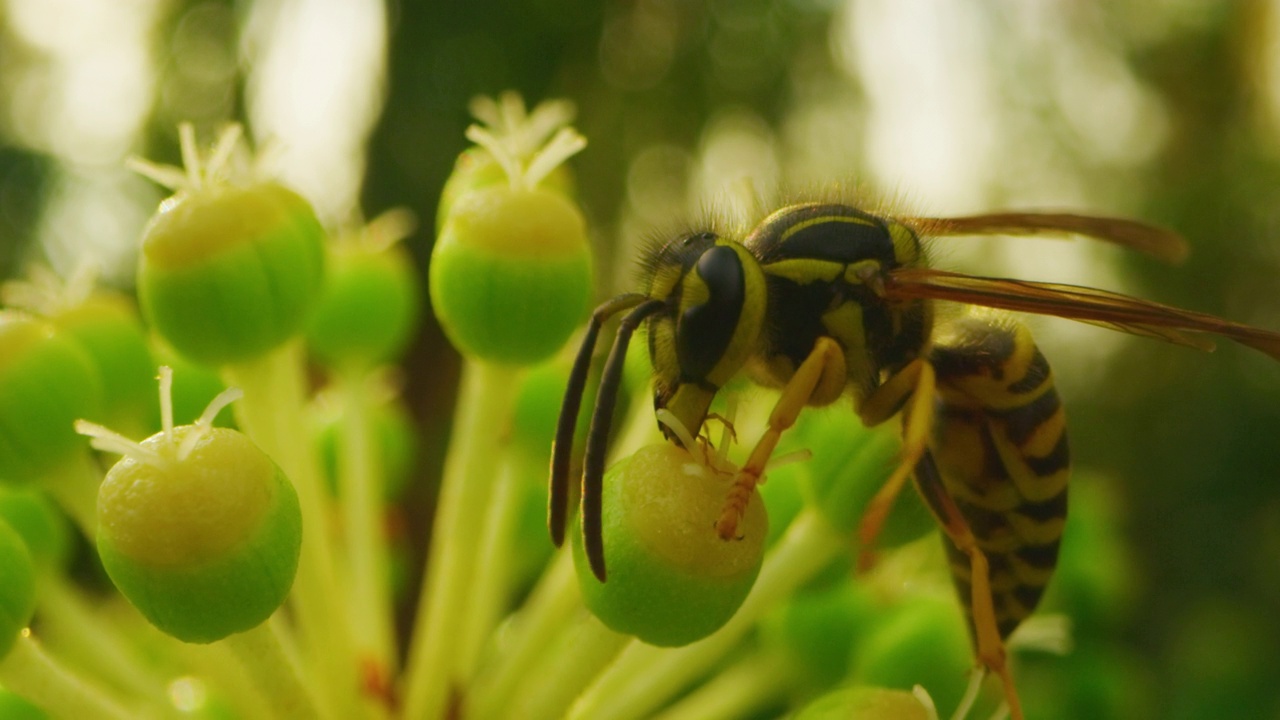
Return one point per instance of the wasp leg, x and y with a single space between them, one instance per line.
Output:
823 370
916 384
990 648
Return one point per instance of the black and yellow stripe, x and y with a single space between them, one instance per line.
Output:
1001 449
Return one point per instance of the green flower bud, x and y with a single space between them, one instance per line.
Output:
816 628
476 169
42 526
200 531
865 703
18 580
228 273
510 275
107 326
108 329
47 382
672 580
924 642
513 135
369 308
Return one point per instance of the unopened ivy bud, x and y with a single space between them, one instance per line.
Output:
228 271
671 580
510 275
47 381
18 580
865 703
43 528
923 642
371 301
197 526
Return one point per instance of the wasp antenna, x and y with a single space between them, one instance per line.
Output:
598 436
562 446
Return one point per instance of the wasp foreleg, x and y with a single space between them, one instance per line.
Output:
824 367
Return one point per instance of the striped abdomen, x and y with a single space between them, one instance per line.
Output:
1000 443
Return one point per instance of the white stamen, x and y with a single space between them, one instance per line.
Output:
389 228
111 441
223 399
486 140
190 155
485 109
923 697
1046 633
164 175
166 402
221 154
566 143
545 119
976 676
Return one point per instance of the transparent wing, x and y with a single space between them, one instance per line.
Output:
1100 307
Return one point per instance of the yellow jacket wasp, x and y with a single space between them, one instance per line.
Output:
823 298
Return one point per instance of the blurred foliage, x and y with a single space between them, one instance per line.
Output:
1190 444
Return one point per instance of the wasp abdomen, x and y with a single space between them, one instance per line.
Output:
1001 447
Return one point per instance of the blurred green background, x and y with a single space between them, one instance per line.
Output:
1166 111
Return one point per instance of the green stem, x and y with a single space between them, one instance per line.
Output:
275 672
644 677
360 484
272 413
32 673
548 609
491 574
484 409
223 668
94 639
746 689
572 661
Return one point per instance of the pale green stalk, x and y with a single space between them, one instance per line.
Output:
271 413
533 628
644 677
565 668
433 673
32 673
90 638
746 689
491 582
276 673
361 484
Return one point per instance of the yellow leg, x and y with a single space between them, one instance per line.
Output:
991 649
824 365
919 381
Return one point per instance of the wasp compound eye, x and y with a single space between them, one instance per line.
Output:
705 329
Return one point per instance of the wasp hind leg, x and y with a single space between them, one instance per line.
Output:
822 374
991 650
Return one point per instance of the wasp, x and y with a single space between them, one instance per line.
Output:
823 299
